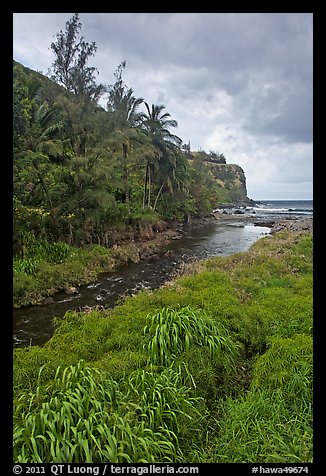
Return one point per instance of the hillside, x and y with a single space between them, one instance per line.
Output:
230 177
81 172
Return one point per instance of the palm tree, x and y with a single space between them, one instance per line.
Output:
157 123
43 132
123 107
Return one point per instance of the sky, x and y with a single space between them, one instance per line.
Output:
237 83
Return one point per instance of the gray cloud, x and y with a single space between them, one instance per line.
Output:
239 83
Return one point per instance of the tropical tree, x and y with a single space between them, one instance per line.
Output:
83 121
161 165
124 118
38 126
122 103
72 54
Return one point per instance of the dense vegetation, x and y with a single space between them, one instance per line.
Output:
91 160
89 157
214 367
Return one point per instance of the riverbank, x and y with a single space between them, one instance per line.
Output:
224 350
147 243
37 284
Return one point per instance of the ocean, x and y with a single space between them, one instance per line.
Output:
282 208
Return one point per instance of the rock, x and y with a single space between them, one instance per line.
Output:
47 300
71 290
267 223
294 225
154 257
160 226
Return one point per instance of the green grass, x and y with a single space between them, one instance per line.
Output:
215 366
272 422
55 266
84 415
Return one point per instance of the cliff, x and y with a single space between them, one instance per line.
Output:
229 177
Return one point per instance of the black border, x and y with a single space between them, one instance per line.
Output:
7 223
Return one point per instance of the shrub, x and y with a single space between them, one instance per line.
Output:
52 252
28 266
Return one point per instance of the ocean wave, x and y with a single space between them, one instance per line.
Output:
308 210
265 210
268 210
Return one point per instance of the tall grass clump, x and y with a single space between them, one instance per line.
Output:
26 265
85 416
190 339
177 331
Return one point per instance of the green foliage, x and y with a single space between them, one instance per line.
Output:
72 53
80 170
52 252
178 331
258 427
273 421
29 361
214 367
50 267
287 367
89 417
26 265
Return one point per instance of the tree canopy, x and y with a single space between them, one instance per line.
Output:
81 168
72 54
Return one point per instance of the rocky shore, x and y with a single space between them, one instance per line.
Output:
297 225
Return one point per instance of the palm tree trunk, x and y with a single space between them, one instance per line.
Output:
149 187
145 185
127 188
44 187
126 174
158 195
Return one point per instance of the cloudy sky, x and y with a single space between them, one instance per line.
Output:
237 83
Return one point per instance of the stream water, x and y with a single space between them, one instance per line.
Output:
33 325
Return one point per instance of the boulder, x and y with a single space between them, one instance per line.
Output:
71 290
48 300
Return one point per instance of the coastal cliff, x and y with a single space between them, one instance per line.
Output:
230 178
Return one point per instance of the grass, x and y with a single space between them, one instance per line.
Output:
178 331
85 416
55 266
215 366
273 420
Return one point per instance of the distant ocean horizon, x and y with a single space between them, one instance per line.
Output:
284 208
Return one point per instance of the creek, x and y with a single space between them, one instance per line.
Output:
33 325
